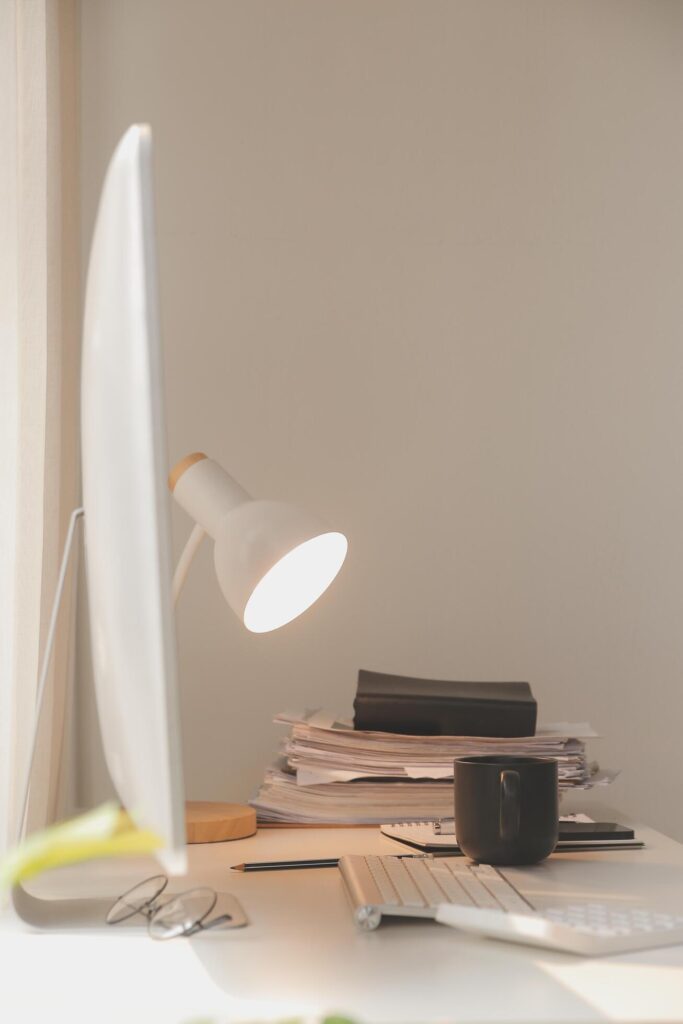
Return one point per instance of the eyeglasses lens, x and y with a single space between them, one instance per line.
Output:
136 900
182 913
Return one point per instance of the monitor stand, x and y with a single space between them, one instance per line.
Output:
32 910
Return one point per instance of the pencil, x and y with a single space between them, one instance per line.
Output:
284 865
329 862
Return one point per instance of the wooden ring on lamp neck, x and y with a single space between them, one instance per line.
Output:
182 467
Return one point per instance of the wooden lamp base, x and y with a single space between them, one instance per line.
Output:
208 822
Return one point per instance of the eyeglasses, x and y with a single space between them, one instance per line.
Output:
184 913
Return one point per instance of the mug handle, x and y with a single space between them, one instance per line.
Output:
509 804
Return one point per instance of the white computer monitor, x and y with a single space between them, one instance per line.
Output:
127 528
126 504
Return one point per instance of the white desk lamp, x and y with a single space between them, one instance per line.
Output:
272 561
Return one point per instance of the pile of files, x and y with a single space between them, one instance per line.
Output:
330 773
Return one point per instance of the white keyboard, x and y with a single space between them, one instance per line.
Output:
476 898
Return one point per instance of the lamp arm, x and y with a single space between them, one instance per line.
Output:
185 561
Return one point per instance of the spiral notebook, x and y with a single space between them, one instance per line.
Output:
440 835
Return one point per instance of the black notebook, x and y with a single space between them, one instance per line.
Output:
437 707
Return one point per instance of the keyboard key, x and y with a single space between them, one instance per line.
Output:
478 893
382 881
457 866
403 883
483 870
451 886
426 881
500 892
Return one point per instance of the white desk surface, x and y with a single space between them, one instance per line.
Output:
302 956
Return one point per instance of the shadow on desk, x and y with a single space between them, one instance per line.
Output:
419 971
303 951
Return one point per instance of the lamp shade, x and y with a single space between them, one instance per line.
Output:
272 560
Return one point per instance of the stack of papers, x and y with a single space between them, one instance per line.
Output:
350 803
331 773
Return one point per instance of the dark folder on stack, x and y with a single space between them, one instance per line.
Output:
435 707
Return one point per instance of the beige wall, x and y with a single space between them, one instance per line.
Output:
422 272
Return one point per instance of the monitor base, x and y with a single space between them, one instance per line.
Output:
58 914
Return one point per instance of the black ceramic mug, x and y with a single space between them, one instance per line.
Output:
506 808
